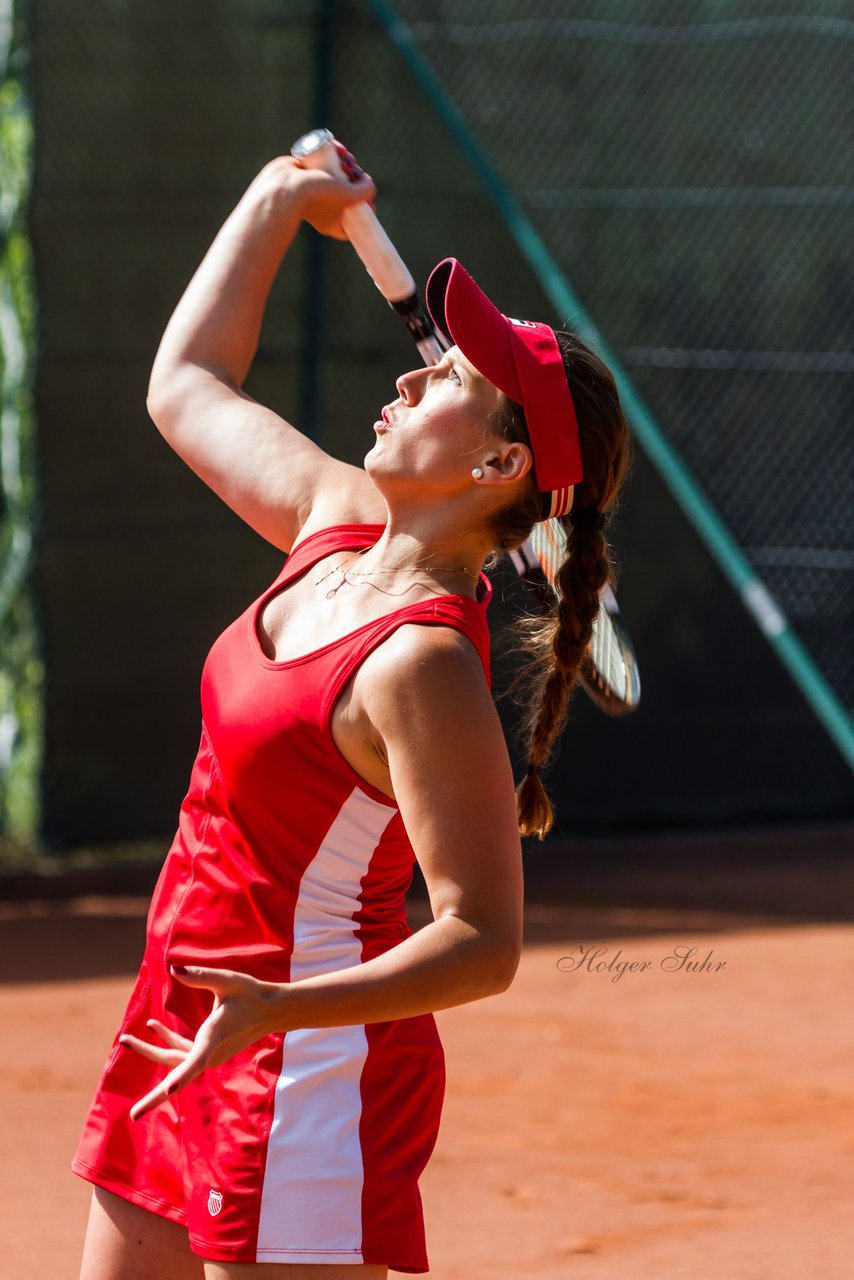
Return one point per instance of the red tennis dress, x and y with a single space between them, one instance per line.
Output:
307 1146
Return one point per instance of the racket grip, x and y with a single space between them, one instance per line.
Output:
364 231
380 258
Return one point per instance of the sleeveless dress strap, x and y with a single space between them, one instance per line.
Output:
459 612
340 537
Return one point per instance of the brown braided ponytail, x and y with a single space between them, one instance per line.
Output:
556 642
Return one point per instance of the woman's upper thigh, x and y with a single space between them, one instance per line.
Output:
292 1271
124 1242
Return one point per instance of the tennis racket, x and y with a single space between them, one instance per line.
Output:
609 673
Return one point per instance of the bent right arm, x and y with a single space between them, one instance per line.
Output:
274 477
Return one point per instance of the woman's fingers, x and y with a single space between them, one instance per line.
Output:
191 1066
325 196
217 980
179 1046
148 1103
350 167
168 1085
171 1037
187 1058
165 1057
238 1018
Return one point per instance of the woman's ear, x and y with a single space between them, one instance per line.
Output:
506 463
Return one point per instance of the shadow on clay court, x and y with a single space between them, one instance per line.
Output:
79 925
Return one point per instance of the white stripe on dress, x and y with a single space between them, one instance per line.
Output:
311 1203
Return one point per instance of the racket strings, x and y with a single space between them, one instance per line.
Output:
608 665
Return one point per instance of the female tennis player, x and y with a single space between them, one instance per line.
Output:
275 1088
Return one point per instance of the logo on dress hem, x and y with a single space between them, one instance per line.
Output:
214 1202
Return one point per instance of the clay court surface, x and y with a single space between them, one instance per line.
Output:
664 1125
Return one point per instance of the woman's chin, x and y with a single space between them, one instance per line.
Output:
382 471
373 464
375 461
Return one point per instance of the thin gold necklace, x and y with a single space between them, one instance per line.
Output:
348 574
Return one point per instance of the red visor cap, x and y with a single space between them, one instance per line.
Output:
524 361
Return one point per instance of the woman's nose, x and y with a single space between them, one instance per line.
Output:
409 385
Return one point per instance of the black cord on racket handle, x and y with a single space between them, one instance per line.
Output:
420 326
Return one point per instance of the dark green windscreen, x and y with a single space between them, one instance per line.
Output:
686 175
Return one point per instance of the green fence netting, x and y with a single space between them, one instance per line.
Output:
702 513
685 167
688 170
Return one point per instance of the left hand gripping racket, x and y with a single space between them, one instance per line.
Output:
609 673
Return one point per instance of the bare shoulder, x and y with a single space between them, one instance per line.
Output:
427 679
429 657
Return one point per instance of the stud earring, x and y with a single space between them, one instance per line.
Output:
477 473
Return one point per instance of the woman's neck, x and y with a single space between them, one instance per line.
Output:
430 537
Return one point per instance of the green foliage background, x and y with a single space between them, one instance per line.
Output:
21 669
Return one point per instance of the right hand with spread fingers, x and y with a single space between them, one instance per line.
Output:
244 1010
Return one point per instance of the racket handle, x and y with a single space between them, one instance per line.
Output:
316 150
381 260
